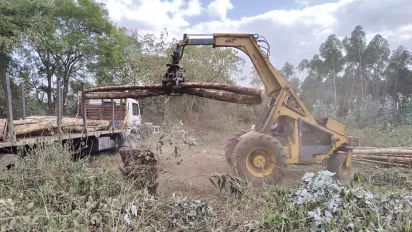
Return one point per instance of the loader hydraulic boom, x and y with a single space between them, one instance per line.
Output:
275 85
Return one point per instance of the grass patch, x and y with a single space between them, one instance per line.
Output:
378 136
48 191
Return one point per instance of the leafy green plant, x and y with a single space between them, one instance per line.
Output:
233 185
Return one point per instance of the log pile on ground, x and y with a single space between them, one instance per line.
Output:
216 91
389 156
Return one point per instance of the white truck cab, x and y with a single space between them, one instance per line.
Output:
133 112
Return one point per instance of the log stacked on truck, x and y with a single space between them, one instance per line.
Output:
3 128
49 125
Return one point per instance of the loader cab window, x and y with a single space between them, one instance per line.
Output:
135 109
312 135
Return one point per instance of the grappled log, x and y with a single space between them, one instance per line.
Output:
203 85
224 96
215 91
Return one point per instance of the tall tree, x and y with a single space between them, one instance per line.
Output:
287 71
80 25
331 52
255 80
399 77
376 58
355 47
312 83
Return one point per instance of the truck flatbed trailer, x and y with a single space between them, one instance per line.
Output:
100 124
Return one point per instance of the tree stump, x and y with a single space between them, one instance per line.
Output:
141 167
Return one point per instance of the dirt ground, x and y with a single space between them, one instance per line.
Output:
187 169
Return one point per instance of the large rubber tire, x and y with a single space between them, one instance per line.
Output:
336 164
8 161
248 159
230 146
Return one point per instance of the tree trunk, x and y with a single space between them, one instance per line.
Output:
65 92
49 92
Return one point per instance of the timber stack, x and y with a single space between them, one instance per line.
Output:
400 156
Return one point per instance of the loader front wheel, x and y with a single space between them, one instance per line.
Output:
230 146
336 164
260 159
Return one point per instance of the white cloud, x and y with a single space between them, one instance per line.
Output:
217 9
297 34
293 34
153 15
194 8
302 2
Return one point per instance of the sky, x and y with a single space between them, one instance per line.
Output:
294 28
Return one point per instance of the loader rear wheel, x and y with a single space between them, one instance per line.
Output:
230 146
8 161
336 164
260 159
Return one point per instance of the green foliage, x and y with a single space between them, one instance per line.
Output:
233 185
349 76
18 17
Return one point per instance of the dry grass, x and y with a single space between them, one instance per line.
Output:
49 191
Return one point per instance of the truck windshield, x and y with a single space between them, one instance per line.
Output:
135 107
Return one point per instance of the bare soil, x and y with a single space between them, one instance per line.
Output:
185 170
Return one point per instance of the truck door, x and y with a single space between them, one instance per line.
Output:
134 118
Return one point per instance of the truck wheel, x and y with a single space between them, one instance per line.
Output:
336 164
260 159
230 146
8 161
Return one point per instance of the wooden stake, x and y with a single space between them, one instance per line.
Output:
9 109
23 101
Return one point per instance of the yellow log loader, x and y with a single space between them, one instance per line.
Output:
285 132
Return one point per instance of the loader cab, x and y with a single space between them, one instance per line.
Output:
302 139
